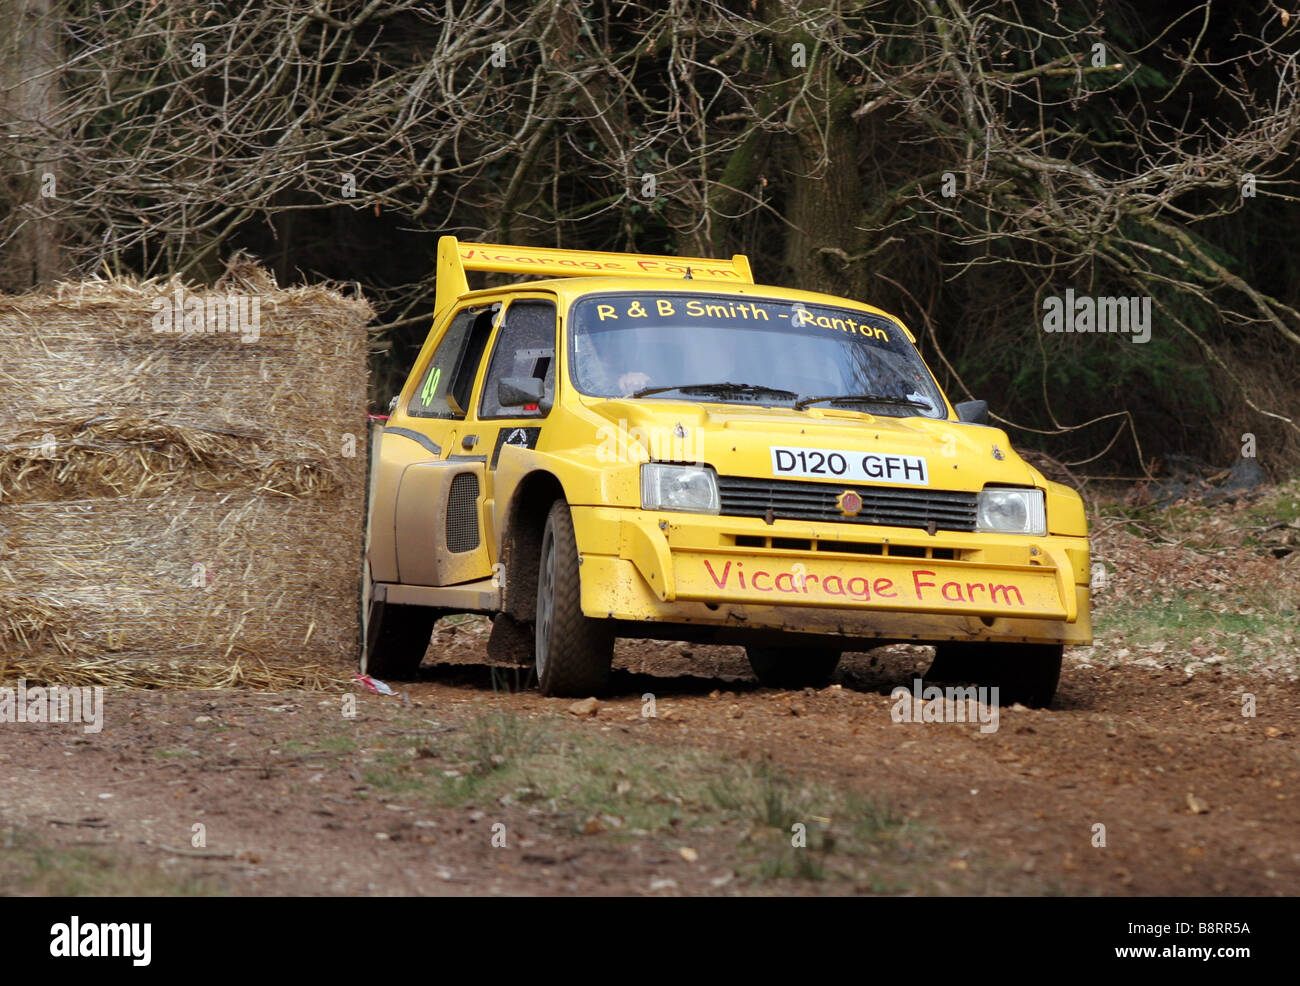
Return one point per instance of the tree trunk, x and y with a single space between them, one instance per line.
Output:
825 200
29 101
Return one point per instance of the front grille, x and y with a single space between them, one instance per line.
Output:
886 506
462 513
848 547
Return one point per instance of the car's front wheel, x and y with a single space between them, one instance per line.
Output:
1024 673
793 667
573 652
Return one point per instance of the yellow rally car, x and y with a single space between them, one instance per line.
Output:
657 447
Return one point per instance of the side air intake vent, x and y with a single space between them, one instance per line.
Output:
462 513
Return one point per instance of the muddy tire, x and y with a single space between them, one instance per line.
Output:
1024 673
396 639
572 651
793 667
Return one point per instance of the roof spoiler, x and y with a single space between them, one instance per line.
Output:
455 258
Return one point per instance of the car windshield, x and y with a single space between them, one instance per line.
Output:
733 350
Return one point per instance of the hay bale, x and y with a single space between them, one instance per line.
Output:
181 506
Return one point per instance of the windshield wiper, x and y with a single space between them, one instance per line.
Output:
718 388
863 399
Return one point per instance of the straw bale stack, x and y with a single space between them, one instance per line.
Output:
181 507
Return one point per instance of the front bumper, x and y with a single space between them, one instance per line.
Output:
826 578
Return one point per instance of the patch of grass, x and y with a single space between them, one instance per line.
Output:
393 781
1281 505
391 771
779 827
176 753
1209 526
498 740
338 743
621 788
758 794
1189 615
1149 521
793 864
811 832
28 867
583 785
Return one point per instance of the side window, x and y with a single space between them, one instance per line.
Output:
445 386
525 348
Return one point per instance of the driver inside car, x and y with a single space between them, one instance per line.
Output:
595 374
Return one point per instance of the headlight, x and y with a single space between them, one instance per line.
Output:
668 487
1011 511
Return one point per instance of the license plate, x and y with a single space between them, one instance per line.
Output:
858 467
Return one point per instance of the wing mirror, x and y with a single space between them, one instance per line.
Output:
973 412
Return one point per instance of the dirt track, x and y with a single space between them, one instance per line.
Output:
296 799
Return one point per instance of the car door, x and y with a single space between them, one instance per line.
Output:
517 391
425 527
